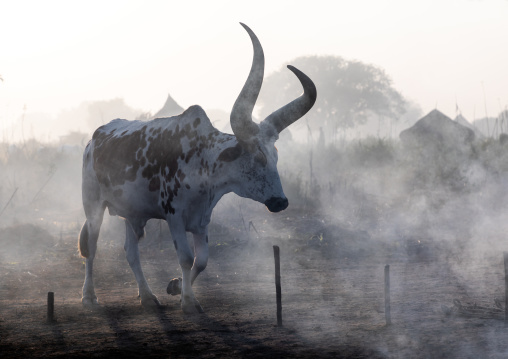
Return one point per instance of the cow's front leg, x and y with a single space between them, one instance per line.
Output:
186 259
200 255
199 265
133 234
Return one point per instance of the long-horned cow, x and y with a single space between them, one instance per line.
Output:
177 169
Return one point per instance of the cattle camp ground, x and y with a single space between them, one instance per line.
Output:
429 203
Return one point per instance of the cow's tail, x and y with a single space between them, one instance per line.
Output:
83 241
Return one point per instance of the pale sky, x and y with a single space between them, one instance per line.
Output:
56 54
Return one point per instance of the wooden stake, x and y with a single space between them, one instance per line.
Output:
276 254
388 315
505 255
51 307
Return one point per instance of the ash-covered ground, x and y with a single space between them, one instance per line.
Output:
437 218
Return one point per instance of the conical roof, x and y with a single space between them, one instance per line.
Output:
437 128
462 120
170 108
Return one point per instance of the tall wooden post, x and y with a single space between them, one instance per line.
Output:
388 315
276 254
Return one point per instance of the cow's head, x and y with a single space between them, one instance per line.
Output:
256 153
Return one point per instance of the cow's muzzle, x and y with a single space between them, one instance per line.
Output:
276 204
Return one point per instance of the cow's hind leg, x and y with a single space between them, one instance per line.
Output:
133 234
88 247
94 211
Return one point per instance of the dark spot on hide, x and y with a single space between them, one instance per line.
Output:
196 122
111 210
155 184
206 239
115 156
189 155
176 245
231 153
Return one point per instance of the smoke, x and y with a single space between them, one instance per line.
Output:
437 216
84 118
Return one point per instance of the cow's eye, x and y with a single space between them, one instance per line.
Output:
260 158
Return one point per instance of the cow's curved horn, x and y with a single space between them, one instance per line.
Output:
241 114
294 110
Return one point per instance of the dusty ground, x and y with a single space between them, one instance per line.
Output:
332 292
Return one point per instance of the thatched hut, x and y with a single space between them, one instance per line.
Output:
438 131
170 108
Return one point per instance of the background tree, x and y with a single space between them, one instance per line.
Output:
349 93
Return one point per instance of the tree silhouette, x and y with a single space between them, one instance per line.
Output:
349 92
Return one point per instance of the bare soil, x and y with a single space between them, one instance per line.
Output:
332 299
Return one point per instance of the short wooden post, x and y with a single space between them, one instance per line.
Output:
276 254
388 315
51 307
505 255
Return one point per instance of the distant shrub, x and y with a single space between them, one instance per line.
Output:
372 151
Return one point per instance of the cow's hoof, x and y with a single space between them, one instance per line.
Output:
174 286
192 307
150 302
90 302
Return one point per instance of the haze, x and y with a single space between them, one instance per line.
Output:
58 54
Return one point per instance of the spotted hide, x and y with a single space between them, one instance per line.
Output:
177 169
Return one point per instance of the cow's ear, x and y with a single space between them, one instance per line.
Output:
231 153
